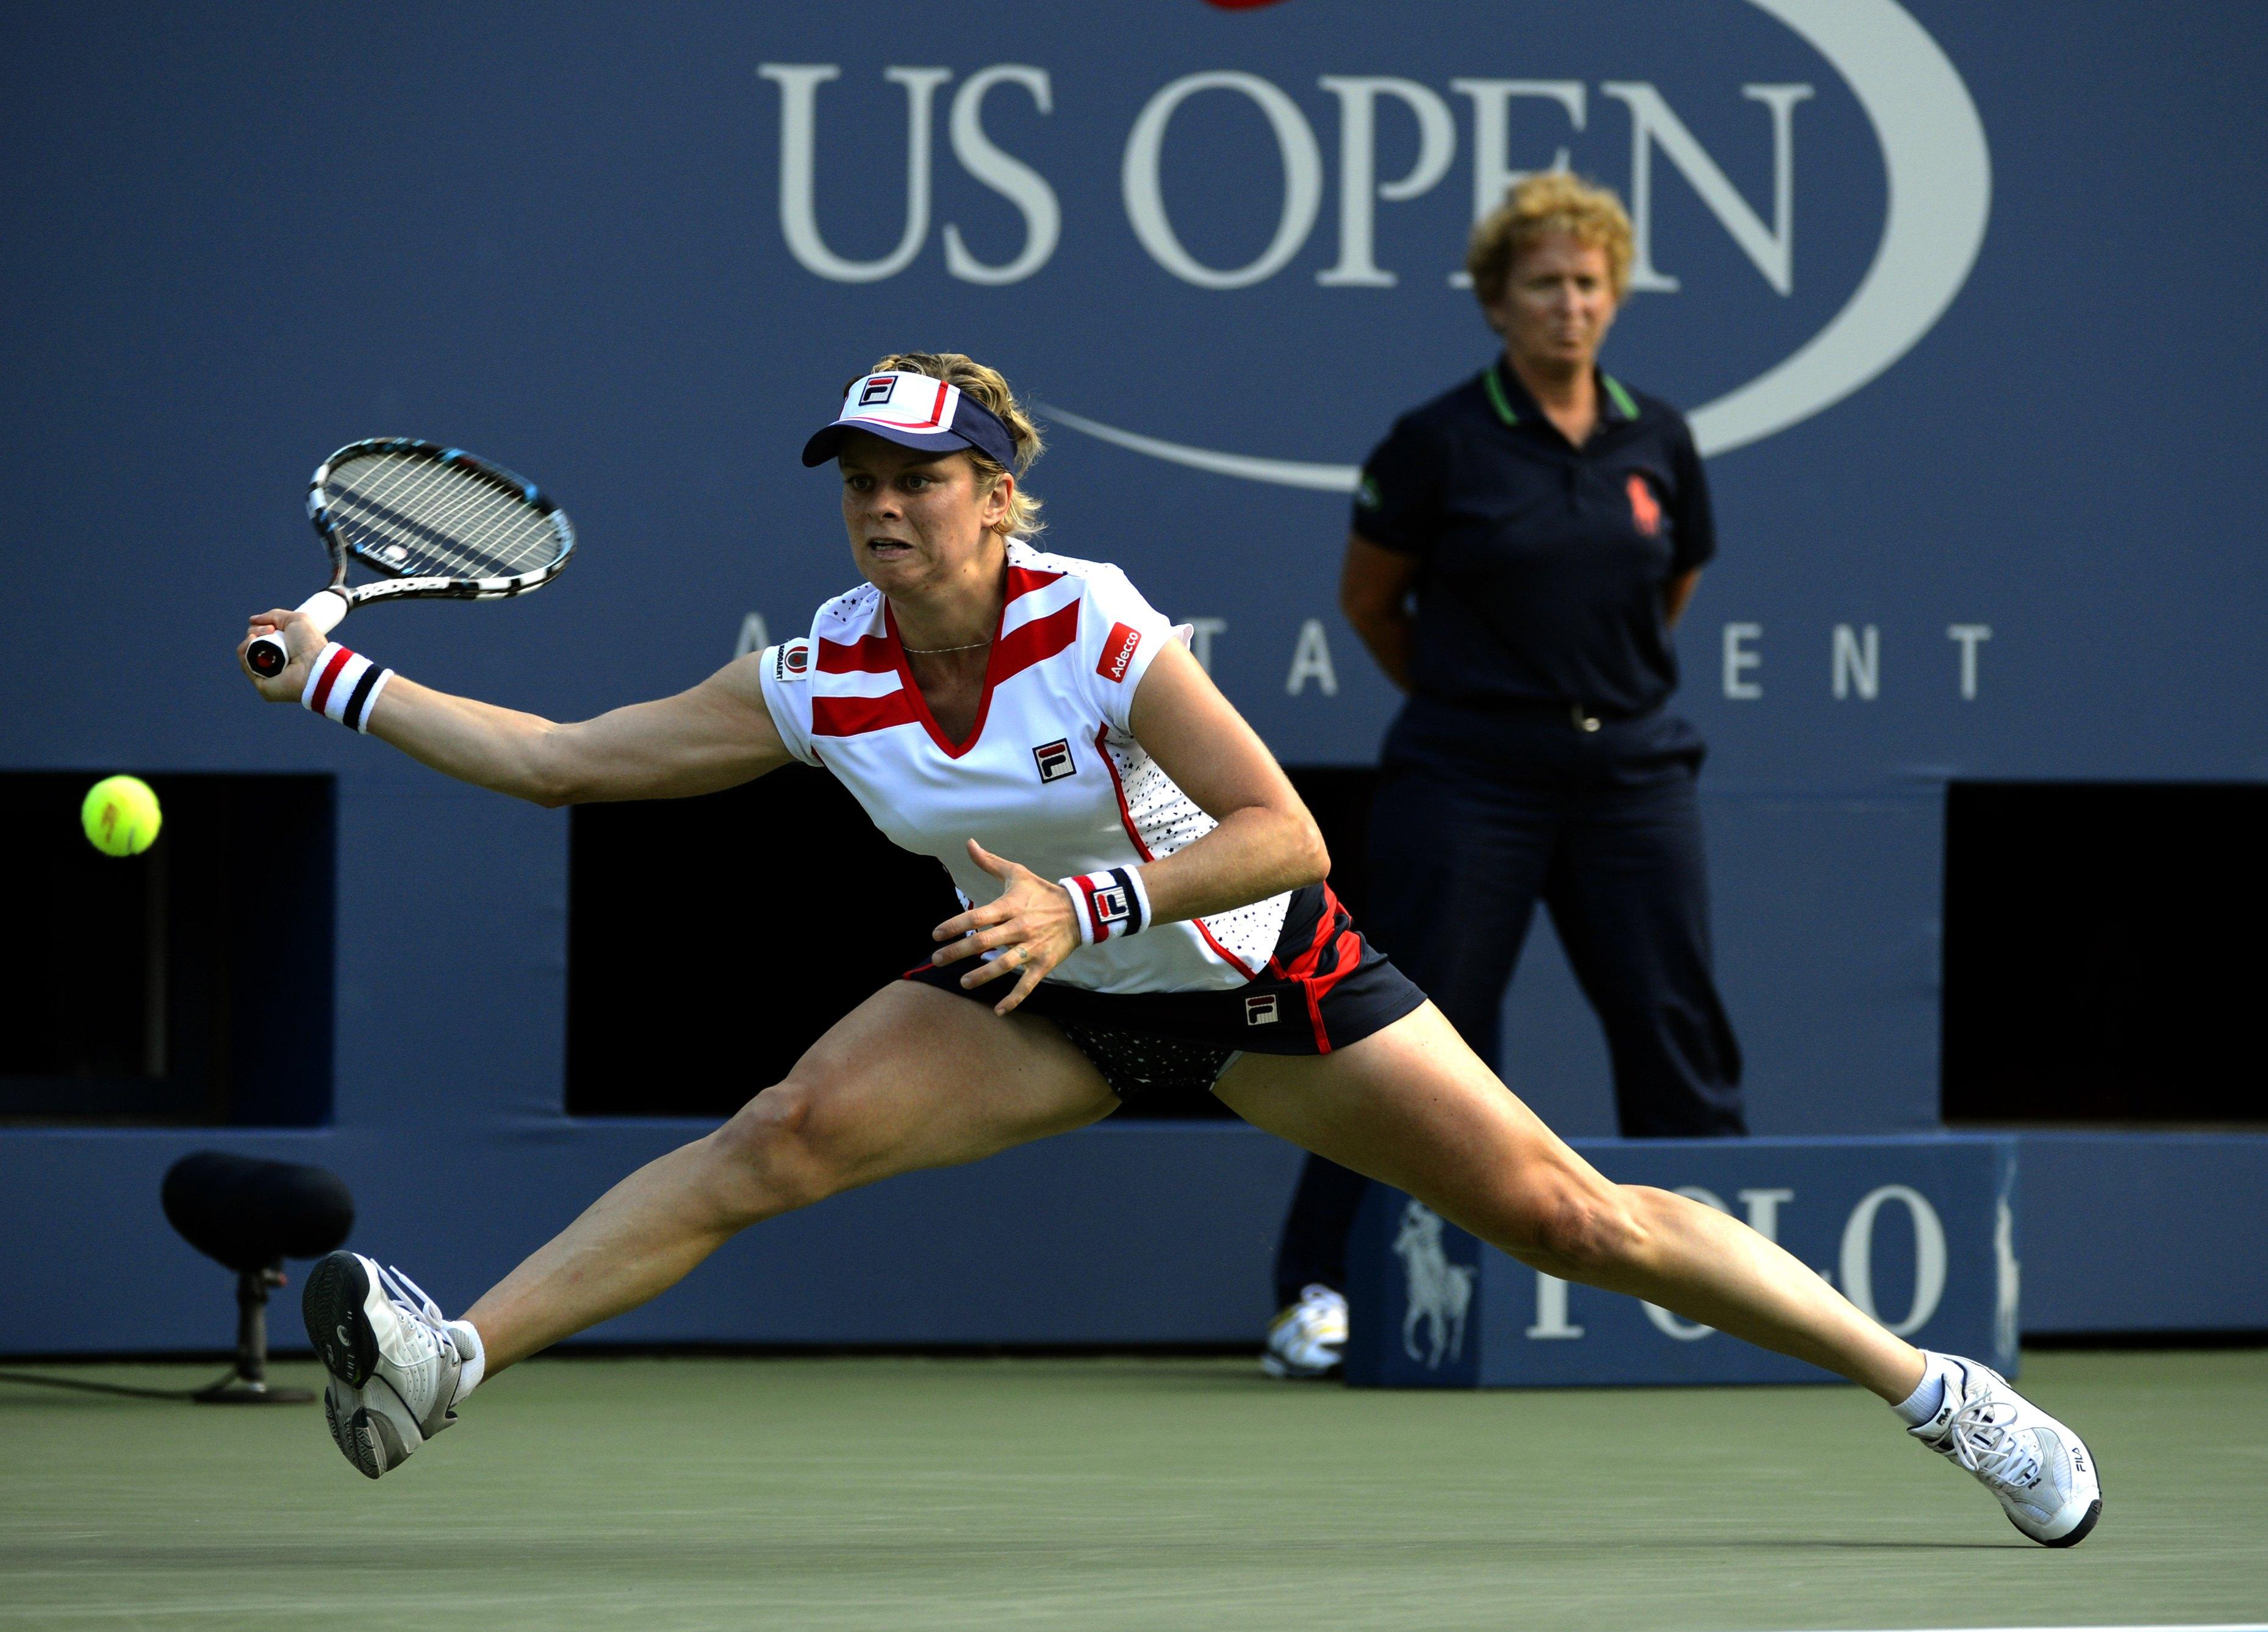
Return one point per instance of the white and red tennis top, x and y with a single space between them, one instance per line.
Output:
1050 775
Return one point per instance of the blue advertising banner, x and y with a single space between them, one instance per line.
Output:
1919 1233
1220 248
1967 328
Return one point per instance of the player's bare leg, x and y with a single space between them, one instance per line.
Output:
1414 1106
913 1077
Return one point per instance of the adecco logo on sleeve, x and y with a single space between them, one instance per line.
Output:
1935 181
1118 651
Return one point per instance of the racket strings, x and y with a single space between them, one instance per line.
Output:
415 527
462 523
419 519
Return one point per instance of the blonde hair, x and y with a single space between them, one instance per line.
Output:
990 387
1551 201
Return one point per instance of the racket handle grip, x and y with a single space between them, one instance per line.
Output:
268 657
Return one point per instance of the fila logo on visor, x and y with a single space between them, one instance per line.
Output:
877 390
1118 651
1053 760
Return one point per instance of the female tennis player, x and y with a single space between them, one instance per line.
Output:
1145 904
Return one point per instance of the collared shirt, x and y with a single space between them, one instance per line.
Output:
1050 772
1542 565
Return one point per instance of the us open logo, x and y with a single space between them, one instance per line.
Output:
1896 83
1053 760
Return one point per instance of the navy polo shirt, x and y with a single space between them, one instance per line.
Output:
1540 565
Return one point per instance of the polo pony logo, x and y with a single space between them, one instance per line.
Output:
1439 1292
1645 511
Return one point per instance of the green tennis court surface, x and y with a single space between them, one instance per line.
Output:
666 1494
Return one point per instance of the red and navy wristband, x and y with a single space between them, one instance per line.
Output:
343 685
1110 904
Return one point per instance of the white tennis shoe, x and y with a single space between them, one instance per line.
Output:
392 1360
1306 1340
2043 1475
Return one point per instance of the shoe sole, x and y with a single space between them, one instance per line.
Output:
2079 1531
1284 1370
332 1306
353 1437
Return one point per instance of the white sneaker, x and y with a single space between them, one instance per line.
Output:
2044 1477
1305 1339
392 1360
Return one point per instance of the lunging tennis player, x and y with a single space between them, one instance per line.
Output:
1145 904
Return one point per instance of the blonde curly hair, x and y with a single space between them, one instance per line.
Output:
988 386
1552 201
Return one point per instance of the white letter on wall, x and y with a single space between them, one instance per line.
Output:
1145 203
1011 178
754 636
1857 662
1201 633
798 86
1969 634
1652 122
1492 172
1763 1210
1929 1256
1551 1309
1358 184
1311 661
1739 660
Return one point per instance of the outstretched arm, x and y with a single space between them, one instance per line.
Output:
717 735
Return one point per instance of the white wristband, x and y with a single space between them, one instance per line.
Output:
345 684
1109 904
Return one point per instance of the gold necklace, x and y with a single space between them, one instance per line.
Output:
932 651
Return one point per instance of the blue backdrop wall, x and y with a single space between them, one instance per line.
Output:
1961 300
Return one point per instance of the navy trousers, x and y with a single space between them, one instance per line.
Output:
1478 818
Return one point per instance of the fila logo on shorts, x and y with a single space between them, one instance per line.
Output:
1117 651
1110 904
1053 760
1260 1011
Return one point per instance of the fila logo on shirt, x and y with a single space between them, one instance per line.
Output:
1118 651
877 390
1053 760
1260 1011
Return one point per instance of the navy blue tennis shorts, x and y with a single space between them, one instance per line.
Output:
1324 987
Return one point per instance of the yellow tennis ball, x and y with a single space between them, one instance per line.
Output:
120 816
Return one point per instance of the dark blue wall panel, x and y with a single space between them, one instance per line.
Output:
234 241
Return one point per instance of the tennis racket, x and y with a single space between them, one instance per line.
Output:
437 522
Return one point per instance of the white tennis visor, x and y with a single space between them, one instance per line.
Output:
914 411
